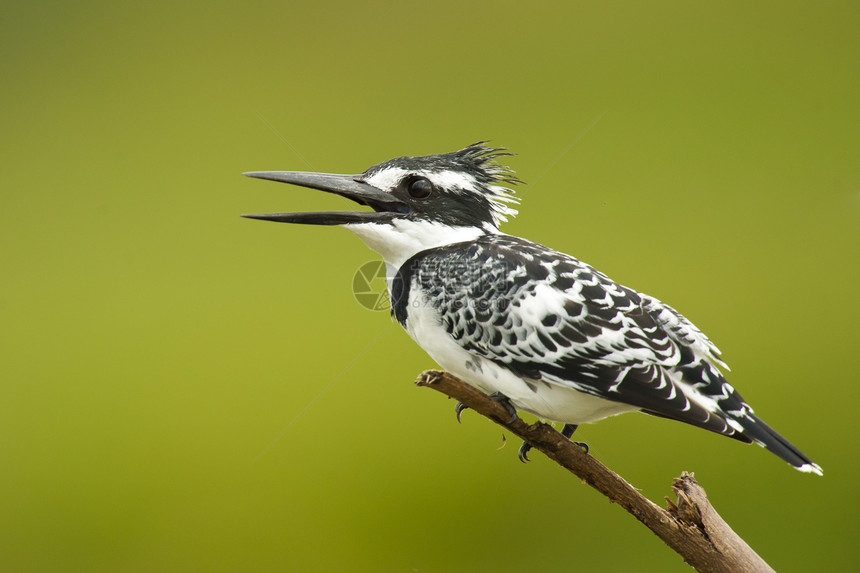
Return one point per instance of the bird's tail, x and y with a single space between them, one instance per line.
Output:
768 438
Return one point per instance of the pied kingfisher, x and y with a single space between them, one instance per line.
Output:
539 329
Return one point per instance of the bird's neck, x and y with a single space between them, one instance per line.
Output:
403 238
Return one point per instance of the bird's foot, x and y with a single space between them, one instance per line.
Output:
506 402
523 452
567 431
459 410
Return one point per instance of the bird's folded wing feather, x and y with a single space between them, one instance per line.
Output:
547 316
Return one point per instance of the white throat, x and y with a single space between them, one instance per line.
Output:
399 241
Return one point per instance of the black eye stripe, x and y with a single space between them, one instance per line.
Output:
419 188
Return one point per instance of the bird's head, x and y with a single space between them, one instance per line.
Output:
417 201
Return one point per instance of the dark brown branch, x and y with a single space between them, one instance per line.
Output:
690 526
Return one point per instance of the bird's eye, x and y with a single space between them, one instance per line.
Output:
420 188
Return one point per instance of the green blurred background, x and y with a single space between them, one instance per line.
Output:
183 389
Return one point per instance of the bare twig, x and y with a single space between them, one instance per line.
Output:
690 526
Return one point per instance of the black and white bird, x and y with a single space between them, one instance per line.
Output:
544 331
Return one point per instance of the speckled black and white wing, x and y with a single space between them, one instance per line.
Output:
557 322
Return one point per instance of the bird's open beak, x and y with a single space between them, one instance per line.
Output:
385 206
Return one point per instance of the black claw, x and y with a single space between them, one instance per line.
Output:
506 402
568 430
523 452
459 409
